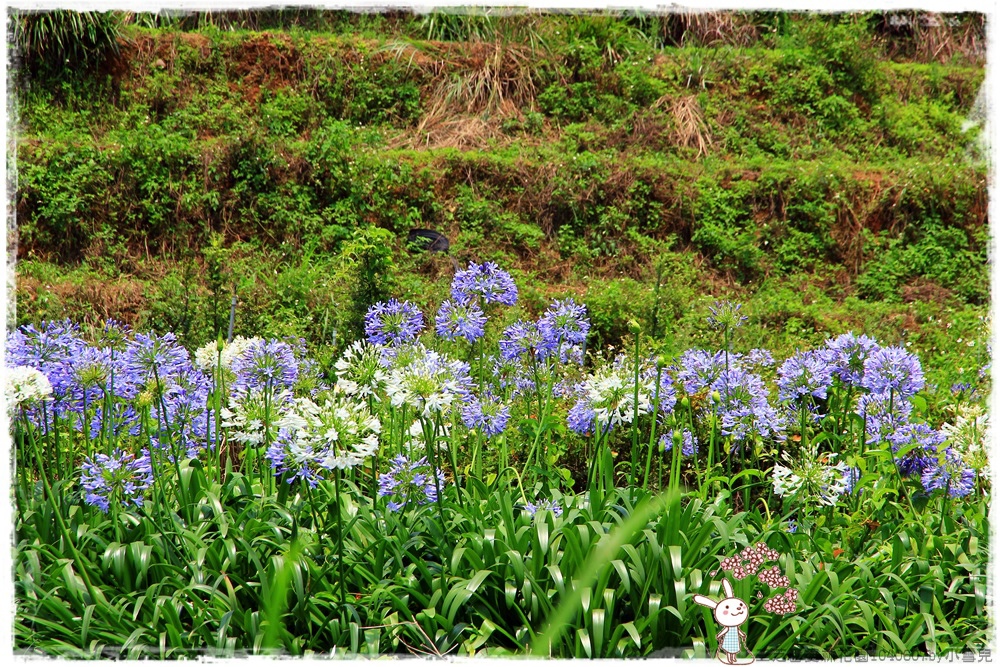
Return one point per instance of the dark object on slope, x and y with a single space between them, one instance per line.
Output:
428 240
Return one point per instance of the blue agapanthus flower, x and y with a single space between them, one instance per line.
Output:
949 473
927 441
542 505
119 478
851 478
266 364
393 323
893 369
805 374
882 416
564 322
150 356
726 315
461 320
484 281
524 339
743 406
487 414
699 369
848 355
409 482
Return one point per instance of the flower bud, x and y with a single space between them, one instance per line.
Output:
716 396
661 361
220 343
678 439
634 327
686 403
829 423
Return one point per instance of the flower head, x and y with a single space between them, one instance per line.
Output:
119 478
269 365
893 369
360 371
949 473
25 385
848 355
564 322
410 482
811 478
429 382
543 505
488 415
393 323
484 281
743 406
461 320
726 315
805 374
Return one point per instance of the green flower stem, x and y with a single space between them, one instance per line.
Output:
652 426
635 416
340 537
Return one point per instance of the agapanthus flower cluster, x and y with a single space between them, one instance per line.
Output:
969 436
149 357
748 561
564 323
893 369
409 482
429 383
25 385
208 356
851 478
545 504
607 398
456 319
121 478
699 369
782 604
848 353
949 473
726 315
393 323
339 434
805 376
50 348
924 451
484 281
251 416
811 478
774 578
740 399
487 414
269 365
523 339
360 371
882 416
560 333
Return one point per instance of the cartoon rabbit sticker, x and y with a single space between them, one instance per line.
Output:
731 612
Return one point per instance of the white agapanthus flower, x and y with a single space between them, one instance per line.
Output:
207 356
969 435
611 393
360 371
811 478
25 385
341 433
427 381
248 414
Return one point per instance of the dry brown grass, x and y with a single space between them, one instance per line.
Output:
690 129
718 28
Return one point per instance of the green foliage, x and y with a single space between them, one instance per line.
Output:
370 268
54 38
930 250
